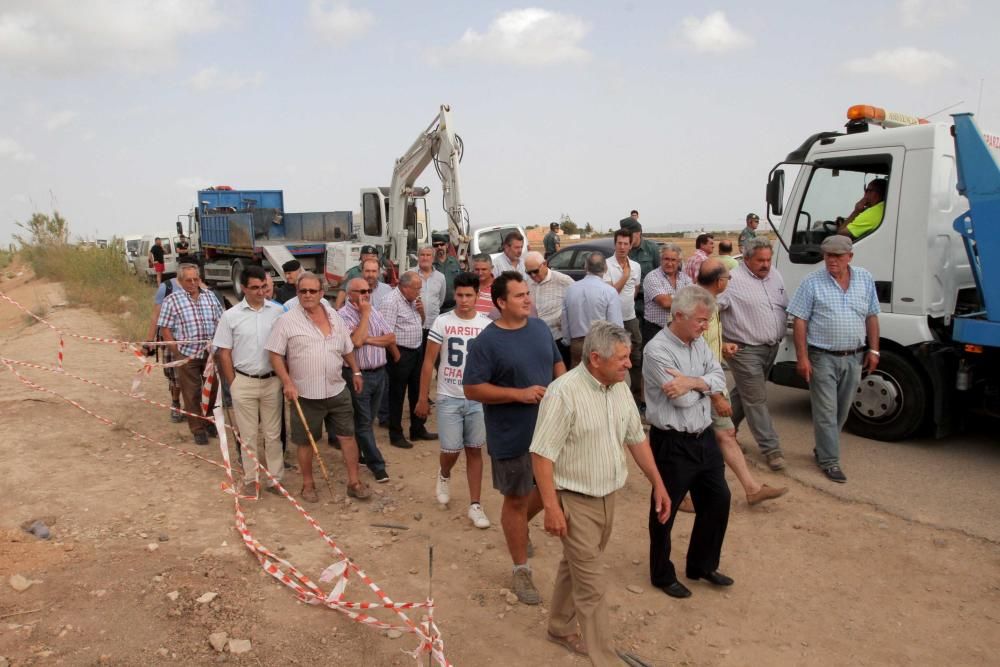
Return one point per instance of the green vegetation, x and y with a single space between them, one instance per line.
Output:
6 257
95 277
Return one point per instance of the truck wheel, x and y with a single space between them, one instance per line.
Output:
236 273
891 403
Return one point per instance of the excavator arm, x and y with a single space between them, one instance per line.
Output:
438 144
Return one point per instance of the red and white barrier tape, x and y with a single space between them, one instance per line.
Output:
426 631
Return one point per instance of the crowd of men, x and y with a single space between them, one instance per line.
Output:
553 377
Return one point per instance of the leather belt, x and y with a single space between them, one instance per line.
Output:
265 376
372 370
838 353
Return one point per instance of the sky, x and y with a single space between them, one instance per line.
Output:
116 112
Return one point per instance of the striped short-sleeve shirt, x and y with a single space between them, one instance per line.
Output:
656 283
369 357
315 361
582 428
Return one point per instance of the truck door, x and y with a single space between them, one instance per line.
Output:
832 187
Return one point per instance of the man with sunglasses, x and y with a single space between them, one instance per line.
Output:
309 346
374 343
548 290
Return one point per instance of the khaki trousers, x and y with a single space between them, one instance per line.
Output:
189 377
257 405
578 597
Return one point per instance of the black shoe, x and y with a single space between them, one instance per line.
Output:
212 431
402 443
835 474
201 438
423 434
816 456
715 578
676 590
384 423
381 476
334 443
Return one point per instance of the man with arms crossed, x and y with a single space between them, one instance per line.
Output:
680 374
246 367
509 366
578 458
309 346
460 421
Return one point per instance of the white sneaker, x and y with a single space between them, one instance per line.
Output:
478 516
443 493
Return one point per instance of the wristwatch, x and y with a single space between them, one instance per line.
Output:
875 352
359 372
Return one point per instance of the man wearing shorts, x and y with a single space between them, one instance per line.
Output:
460 421
156 259
510 363
309 346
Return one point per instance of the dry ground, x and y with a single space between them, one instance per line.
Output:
819 580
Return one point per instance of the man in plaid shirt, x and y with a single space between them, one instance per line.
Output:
191 315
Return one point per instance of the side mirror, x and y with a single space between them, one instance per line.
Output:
180 227
776 191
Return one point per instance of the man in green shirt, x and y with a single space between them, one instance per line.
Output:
868 212
447 264
551 240
749 232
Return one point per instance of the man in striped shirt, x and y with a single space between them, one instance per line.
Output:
585 421
482 266
190 315
658 289
309 346
373 342
704 245
404 313
753 318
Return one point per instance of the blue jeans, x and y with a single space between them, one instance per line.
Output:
366 404
832 389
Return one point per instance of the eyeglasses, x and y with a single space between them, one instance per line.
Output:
532 272
361 291
308 291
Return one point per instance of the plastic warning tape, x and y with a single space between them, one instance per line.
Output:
306 590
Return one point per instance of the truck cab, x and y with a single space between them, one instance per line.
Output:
922 273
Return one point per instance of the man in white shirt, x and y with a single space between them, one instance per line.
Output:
433 289
510 259
460 421
625 275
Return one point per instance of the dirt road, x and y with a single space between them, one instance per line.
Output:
140 533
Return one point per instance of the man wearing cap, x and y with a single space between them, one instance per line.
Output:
749 232
836 337
367 252
292 268
551 240
448 265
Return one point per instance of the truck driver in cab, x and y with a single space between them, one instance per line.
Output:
868 212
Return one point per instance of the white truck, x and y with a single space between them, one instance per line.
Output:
925 378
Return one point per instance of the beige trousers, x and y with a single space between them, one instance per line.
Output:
578 597
258 405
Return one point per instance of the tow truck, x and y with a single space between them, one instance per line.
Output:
937 275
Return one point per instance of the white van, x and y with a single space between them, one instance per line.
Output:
142 264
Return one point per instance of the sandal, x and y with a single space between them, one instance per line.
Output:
572 643
359 490
309 495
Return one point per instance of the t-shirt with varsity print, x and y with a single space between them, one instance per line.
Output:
453 334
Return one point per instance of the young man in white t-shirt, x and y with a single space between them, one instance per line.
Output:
460 421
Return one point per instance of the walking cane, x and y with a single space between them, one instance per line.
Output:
322 466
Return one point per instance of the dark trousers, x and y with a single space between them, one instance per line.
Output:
404 379
190 379
689 462
649 330
564 352
366 405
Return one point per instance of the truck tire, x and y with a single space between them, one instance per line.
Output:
237 271
891 403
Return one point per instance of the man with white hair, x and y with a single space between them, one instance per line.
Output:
586 420
547 288
681 375
434 288
190 315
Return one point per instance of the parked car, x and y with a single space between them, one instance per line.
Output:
570 260
141 260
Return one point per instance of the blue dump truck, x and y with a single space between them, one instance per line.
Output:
232 229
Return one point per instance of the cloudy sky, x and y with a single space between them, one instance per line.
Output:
115 112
